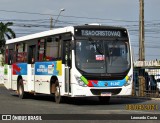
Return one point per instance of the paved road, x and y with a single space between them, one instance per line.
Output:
45 104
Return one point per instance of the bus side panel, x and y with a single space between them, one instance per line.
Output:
31 78
42 84
7 76
14 82
19 69
25 82
43 73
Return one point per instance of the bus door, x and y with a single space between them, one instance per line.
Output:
31 60
67 61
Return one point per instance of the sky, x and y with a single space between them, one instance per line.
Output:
32 16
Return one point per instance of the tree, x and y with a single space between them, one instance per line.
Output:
5 32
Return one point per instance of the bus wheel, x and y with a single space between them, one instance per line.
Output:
21 92
57 94
104 100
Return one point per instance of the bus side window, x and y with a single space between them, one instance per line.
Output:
6 55
41 49
10 57
31 55
52 48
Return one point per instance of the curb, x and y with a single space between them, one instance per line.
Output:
133 97
155 98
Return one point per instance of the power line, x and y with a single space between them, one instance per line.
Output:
24 20
67 16
122 20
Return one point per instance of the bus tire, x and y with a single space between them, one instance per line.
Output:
57 94
104 100
20 89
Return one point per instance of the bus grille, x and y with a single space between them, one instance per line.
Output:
99 91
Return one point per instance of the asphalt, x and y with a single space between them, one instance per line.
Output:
132 97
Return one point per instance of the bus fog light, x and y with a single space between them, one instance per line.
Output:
81 83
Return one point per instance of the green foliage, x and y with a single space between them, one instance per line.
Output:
5 32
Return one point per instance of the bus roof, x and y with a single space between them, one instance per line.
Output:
41 34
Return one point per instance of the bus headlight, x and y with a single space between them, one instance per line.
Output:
128 80
80 82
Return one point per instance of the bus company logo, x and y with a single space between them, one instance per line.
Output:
6 117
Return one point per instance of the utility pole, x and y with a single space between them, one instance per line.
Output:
141 31
58 17
141 78
51 23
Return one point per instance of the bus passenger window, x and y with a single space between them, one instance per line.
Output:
21 52
41 49
51 49
6 55
10 57
31 56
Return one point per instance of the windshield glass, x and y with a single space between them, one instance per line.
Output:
99 56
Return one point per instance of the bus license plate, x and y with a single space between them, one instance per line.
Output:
106 94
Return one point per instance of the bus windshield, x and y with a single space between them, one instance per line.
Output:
101 56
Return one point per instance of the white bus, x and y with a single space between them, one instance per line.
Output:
75 61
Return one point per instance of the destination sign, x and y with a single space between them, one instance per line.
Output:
110 33
100 33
